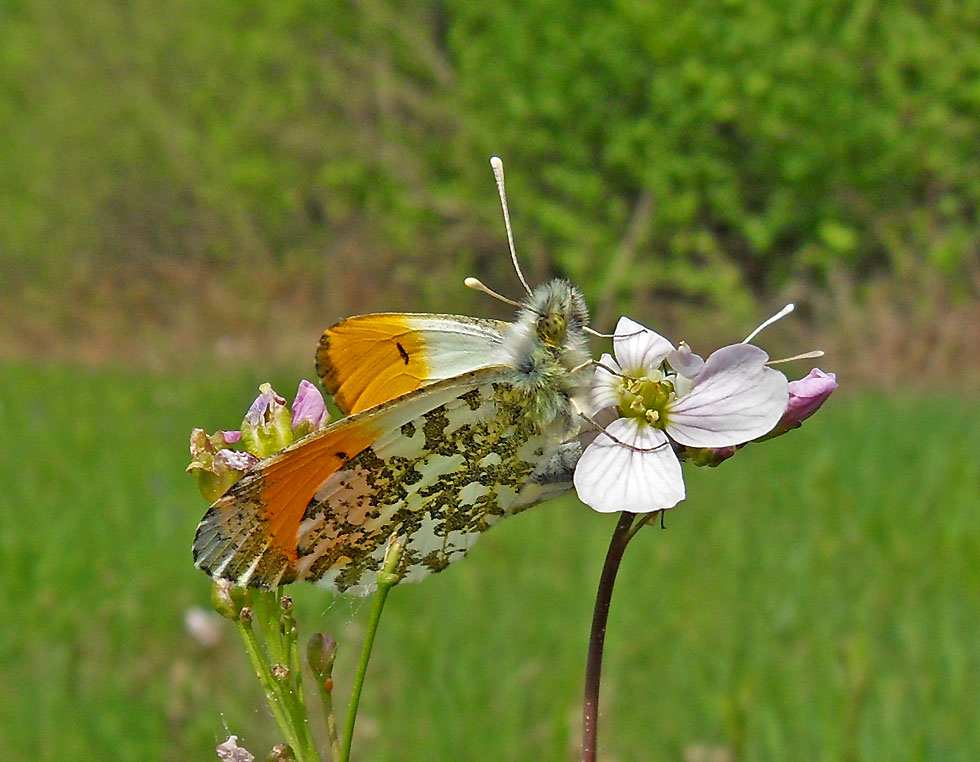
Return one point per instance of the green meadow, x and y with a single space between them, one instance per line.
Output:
815 598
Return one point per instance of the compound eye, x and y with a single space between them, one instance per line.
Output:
551 328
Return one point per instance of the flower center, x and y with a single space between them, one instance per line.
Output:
647 399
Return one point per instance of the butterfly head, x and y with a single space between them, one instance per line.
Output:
558 311
547 348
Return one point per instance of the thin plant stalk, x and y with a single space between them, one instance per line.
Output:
387 578
285 701
269 685
326 700
593 666
293 686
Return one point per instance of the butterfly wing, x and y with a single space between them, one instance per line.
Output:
369 359
437 467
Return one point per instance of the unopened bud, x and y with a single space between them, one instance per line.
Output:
806 395
267 427
321 651
214 465
228 599
388 574
706 456
309 410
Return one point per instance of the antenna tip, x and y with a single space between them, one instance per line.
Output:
497 163
473 283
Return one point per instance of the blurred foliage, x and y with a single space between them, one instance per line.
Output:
707 152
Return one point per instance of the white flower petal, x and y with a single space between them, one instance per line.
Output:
734 398
603 418
606 390
611 476
638 349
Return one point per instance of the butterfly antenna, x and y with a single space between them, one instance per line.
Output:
477 285
498 173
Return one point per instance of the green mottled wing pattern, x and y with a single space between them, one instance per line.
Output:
437 482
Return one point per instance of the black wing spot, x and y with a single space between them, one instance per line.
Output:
341 455
402 352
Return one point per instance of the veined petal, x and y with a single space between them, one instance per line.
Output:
607 389
603 417
734 398
638 349
611 476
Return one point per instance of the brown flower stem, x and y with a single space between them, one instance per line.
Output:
593 666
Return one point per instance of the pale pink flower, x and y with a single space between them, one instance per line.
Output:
654 395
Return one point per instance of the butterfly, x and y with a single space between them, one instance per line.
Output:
454 423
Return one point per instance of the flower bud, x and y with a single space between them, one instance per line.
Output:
309 410
321 651
267 427
806 395
706 456
228 599
213 465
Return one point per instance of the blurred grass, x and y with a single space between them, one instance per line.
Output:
817 598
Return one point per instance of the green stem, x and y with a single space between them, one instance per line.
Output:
326 699
386 580
270 685
644 520
284 694
294 688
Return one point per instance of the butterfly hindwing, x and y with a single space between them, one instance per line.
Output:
436 467
369 359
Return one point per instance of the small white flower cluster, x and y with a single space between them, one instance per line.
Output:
652 395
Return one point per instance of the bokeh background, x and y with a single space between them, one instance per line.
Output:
190 192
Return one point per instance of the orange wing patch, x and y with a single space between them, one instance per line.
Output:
252 530
364 361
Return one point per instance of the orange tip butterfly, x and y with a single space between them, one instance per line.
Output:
454 423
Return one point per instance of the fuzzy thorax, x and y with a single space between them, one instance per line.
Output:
547 348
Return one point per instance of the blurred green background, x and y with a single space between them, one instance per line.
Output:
190 192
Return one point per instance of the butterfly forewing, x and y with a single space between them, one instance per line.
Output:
366 360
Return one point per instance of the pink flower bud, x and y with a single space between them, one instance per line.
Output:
806 395
309 409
